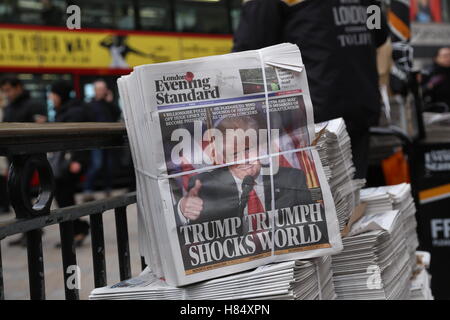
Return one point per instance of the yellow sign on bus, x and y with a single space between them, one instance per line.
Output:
53 48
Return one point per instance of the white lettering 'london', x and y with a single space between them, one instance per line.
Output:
352 20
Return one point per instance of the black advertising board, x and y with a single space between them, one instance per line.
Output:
431 167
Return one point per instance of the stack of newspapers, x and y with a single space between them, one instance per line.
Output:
399 198
292 280
336 156
228 176
376 262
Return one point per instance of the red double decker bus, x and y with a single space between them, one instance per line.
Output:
37 46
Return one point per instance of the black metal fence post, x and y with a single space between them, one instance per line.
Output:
35 264
2 289
98 250
69 257
123 247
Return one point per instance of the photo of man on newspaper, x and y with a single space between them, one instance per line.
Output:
234 212
240 189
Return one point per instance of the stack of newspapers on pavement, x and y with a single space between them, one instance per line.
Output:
421 281
299 280
228 177
401 199
376 262
336 156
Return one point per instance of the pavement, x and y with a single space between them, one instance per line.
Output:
15 266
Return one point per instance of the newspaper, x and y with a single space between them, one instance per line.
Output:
369 222
225 183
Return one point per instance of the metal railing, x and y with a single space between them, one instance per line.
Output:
26 146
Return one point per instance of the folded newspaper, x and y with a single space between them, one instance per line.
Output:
228 178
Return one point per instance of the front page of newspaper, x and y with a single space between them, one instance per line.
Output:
241 185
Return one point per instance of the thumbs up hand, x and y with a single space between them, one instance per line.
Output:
191 205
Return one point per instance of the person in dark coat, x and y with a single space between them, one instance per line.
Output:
339 53
102 109
436 80
68 166
20 108
102 106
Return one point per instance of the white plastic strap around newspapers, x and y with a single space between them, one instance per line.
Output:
272 187
185 294
319 285
208 168
146 173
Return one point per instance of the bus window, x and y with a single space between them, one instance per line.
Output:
88 92
124 15
202 16
43 12
117 14
9 11
235 13
96 13
155 15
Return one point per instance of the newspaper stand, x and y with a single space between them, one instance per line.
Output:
433 187
429 167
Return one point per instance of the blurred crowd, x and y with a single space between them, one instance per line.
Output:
74 172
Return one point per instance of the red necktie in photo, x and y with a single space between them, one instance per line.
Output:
254 205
